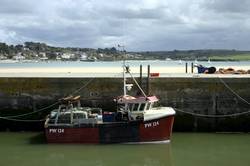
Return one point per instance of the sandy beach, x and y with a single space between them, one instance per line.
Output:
91 70
178 71
106 69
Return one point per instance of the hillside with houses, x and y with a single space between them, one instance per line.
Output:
43 52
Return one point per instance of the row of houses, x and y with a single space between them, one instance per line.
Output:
43 56
82 56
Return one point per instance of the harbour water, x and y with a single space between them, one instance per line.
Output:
109 68
133 63
186 149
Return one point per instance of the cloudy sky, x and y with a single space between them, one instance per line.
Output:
140 25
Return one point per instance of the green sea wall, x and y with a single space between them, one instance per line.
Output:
198 95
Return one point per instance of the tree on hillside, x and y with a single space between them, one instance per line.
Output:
38 47
19 48
4 48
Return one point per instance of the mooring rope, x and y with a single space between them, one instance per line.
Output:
12 118
84 86
30 113
212 116
236 94
23 120
220 116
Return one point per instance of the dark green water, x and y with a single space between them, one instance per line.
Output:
186 149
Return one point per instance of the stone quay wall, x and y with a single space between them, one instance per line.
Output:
197 95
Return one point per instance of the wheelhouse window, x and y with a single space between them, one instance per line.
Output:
142 107
135 107
149 106
130 107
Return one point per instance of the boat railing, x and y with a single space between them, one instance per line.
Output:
76 122
76 116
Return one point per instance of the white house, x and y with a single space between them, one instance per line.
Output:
18 56
83 57
2 57
43 56
67 56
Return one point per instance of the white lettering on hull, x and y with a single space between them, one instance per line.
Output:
56 130
151 124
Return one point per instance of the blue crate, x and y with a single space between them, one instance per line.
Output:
108 117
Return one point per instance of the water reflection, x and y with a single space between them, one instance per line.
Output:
186 149
102 155
30 150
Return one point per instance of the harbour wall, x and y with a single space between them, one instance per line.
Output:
197 95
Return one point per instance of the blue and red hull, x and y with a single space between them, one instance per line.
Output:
113 132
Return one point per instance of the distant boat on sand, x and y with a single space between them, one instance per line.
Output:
209 61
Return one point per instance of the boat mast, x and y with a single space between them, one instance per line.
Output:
124 69
124 78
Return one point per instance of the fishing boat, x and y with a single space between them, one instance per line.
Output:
136 120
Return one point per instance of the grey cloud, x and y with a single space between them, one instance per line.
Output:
15 7
65 36
138 14
140 25
229 6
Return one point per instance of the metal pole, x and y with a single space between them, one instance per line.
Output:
192 67
124 70
124 79
148 79
140 75
186 67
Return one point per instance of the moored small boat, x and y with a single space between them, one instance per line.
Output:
136 120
